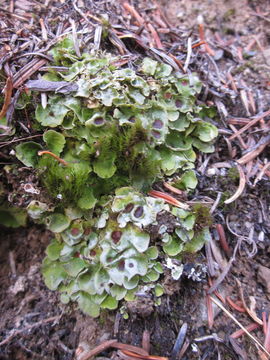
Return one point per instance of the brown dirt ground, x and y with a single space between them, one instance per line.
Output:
24 299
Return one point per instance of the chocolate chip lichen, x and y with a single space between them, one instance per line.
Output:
121 130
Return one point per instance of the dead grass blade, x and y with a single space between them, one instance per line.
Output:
267 336
210 312
251 313
241 187
238 350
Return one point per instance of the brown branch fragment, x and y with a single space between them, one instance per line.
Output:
8 94
249 328
235 306
133 13
241 141
223 240
254 153
131 348
202 38
168 198
98 349
155 36
251 123
22 75
172 188
143 357
198 44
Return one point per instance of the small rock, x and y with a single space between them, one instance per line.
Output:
211 172
32 271
19 285
104 337
264 278
142 307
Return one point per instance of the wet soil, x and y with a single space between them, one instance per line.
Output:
46 329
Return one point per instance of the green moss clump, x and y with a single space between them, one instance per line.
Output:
233 174
66 183
203 216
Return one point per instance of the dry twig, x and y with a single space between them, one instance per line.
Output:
29 327
240 325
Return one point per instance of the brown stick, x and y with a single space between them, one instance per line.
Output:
202 38
242 143
144 357
172 188
123 356
168 198
131 348
98 349
134 13
251 123
198 44
251 155
240 332
8 94
223 240
235 306
155 36
22 75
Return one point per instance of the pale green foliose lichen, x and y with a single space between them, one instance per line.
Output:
120 131
101 261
